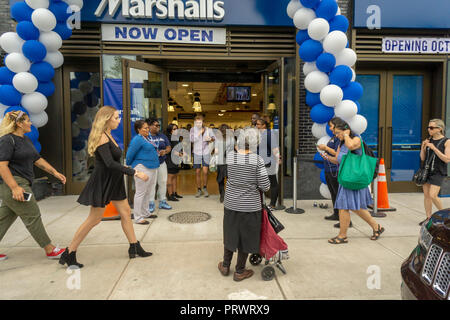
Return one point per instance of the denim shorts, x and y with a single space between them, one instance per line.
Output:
201 160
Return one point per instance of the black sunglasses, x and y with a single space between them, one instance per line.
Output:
432 128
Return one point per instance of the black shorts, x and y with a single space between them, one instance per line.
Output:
173 170
436 179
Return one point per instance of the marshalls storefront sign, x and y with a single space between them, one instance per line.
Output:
165 34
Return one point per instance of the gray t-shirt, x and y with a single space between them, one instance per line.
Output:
21 154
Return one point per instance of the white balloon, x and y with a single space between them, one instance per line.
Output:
303 17
92 112
315 81
55 58
319 130
17 62
51 40
36 4
346 57
76 167
43 19
11 42
35 102
354 74
324 191
75 5
292 8
358 124
39 119
79 155
76 95
86 87
324 140
309 67
84 122
2 110
335 42
75 129
25 82
339 11
318 29
331 95
346 110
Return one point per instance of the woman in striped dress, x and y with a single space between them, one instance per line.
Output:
247 178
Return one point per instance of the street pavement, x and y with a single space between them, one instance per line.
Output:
185 256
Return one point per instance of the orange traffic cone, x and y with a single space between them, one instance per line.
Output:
383 199
110 213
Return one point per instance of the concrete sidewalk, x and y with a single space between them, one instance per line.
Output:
185 256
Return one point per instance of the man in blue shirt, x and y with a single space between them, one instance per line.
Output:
162 145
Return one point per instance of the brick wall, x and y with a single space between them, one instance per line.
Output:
6 23
306 139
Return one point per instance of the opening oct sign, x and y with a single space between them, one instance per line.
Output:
164 34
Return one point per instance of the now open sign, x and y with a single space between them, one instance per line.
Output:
165 34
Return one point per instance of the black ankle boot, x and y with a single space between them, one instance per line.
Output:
70 259
137 250
178 196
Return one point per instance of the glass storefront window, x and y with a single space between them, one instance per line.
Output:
85 102
112 66
289 109
447 120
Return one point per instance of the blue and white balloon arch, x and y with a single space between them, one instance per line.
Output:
32 55
331 89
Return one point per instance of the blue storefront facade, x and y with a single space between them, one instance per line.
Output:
403 51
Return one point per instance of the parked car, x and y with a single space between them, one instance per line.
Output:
426 273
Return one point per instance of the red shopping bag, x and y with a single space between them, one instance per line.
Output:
271 242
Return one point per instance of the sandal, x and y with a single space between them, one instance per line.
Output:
337 240
377 234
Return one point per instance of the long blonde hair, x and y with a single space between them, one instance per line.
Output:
9 123
98 127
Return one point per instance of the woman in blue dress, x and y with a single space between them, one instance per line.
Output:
351 200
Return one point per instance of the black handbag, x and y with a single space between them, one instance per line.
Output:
274 222
421 175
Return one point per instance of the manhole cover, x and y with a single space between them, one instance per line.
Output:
186 217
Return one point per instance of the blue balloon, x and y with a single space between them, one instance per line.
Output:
82 76
20 11
309 3
321 114
358 105
329 132
74 83
9 96
64 32
84 134
59 9
317 157
322 177
327 9
34 50
341 76
78 144
73 117
91 100
34 134
6 76
38 146
326 62
312 99
16 108
339 23
43 71
97 91
79 108
353 91
27 31
302 36
310 50
46 88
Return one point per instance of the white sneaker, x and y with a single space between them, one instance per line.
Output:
205 192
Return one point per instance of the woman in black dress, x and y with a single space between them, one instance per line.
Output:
173 168
105 185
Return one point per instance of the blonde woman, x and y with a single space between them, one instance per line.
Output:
437 146
105 185
17 157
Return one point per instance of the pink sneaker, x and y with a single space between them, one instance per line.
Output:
3 257
56 253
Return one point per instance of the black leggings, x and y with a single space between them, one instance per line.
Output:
241 260
273 190
333 186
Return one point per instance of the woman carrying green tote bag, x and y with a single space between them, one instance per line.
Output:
356 171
